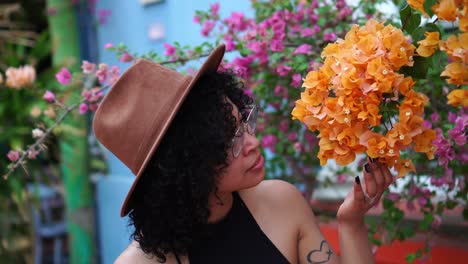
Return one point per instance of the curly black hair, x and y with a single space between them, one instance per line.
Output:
170 203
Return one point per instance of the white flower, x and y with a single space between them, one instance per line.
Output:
37 133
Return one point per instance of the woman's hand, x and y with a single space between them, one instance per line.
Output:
377 179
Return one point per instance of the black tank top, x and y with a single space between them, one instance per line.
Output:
236 239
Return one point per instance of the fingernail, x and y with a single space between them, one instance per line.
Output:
358 181
367 168
372 160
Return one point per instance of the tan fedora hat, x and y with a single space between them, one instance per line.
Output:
137 111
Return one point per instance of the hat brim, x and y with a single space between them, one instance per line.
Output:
210 65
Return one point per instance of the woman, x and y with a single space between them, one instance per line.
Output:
199 194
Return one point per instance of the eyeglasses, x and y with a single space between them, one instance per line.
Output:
248 126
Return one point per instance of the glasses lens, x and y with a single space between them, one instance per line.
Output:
249 125
237 143
252 120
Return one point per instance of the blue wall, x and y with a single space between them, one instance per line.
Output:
129 24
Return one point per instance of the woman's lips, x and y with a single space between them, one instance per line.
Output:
258 163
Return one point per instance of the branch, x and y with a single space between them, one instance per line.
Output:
68 109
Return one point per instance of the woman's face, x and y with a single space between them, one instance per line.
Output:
245 170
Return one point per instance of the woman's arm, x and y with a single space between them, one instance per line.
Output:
354 244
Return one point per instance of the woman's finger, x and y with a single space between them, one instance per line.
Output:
371 187
387 175
359 195
376 170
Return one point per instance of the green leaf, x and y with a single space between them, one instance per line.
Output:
410 257
427 221
465 214
387 203
17 189
437 61
431 27
244 52
42 46
409 20
321 21
418 34
407 231
450 204
419 68
427 6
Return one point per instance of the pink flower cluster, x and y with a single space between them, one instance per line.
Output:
269 36
456 137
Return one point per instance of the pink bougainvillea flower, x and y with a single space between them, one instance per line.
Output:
276 45
230 45
93 107
88 67
103 14
283 70
296 80
303 49
63 76
298 147
126 57
207 27
306 32
114 74
13 155
169 50
330 37
108 45
269 142
49 96
214 9
101 73
83 108
32 154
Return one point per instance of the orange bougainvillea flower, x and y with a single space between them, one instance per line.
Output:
429 45
423 143
456 72
456 47
404 166
458 97
399 136
446 10
463 22
343 99
419 5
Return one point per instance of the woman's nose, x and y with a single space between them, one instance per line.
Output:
250 143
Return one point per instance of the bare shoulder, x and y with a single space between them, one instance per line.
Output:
134 254
276 194
277 191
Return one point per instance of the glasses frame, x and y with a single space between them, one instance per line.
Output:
249 126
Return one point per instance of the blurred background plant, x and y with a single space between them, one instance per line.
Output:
25 70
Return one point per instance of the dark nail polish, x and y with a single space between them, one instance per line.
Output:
372 160
367 168
358 181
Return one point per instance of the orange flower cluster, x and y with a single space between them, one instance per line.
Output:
456 46
346 98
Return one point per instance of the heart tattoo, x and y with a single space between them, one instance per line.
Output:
321 255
